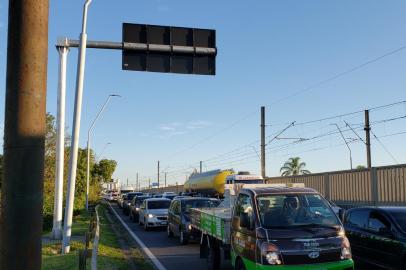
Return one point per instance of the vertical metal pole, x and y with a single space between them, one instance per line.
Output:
67 229
158 174
201 165
367 129
165 179
149 183
60 144
263 173
137 185
24 135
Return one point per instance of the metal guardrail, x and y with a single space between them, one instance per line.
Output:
92 235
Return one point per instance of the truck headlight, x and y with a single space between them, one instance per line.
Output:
271 254
345 249
189 227
150 215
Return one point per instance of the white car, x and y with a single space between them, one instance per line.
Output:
154 213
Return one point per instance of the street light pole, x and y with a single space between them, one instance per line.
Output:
67 229
101 152
88 146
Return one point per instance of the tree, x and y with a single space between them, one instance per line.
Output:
294 167
103 171
360 167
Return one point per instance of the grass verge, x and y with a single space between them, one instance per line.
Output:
51 253
116 250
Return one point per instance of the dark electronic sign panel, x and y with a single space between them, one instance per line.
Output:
169 49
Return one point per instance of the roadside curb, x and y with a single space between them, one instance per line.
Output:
156 263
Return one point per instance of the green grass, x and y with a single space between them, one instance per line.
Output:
51 253
110 255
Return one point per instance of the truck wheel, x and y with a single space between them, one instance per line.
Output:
213 257
169 232
239 264
183 238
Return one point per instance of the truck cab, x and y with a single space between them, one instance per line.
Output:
285 227
272 226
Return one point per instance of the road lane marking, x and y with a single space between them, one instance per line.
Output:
143 247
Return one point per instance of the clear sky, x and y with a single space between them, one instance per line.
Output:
267 51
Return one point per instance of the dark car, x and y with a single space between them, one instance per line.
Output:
179 216
377 236
127 201
136 205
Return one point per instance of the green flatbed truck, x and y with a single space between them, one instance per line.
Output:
272 227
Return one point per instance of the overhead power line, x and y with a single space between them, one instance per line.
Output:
384 147
339 75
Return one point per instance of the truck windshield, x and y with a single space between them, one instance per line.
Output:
295 210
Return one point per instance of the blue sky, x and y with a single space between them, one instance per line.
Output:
267 50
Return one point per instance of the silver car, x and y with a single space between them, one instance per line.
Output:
154 213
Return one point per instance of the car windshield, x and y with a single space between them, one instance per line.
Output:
295 210
400 217
164 204
188 204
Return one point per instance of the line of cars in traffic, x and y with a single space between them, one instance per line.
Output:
377 234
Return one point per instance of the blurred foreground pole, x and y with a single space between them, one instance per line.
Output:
24 135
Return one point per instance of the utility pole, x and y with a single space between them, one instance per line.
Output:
60 143
165 179
201 165
149 183
127 182
367 129
24 135
158 174
263 174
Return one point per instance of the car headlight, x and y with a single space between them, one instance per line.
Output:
137 209
345 249
189 227
150 215
271 254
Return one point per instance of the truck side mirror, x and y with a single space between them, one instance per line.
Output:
245 221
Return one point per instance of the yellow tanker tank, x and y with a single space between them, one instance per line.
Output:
209 183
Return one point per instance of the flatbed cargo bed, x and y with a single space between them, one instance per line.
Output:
215 222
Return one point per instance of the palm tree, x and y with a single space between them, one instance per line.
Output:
294 167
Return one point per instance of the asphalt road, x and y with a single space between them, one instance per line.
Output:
171 254
168 251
